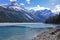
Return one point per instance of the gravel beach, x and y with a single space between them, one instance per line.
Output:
48 35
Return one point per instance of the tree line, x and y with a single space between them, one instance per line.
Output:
53 20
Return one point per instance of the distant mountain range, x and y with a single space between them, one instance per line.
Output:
43 14
14 12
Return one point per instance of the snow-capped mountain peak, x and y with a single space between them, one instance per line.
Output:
15 6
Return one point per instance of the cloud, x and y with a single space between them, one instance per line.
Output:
56 9
13 0
38 7
22 4
28 1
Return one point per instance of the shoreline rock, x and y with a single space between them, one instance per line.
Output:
48 35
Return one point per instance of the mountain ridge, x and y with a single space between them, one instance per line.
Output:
17 13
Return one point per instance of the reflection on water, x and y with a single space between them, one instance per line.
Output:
21 31
18 33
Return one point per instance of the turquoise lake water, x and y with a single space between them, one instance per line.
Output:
21 31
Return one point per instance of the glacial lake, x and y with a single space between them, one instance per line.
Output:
21 31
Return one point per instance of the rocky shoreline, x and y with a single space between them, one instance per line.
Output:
50 34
